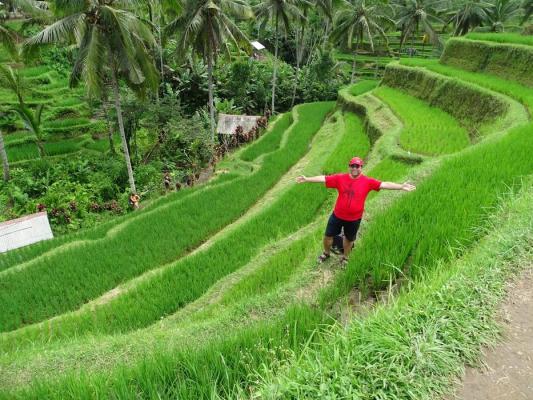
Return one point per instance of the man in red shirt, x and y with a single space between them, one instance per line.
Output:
350 205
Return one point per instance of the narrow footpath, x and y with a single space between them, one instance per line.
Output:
507 373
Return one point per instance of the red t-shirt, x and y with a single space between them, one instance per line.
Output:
352 194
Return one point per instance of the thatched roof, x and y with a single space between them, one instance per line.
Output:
227 123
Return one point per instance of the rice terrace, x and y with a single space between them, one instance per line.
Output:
184 209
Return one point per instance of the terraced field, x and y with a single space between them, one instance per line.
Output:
213 292
67 124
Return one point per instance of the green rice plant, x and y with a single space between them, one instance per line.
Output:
25 151
102 145
363 86
24 255
270 142
66 146
33 72
415 346
69 102
418 230
275 271
188 373
160 295
151 242
66 124
17 138
510 88
508 61
513 38
428 130
470 104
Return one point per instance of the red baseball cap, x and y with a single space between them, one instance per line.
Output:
356 160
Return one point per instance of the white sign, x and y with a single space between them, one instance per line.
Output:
24 231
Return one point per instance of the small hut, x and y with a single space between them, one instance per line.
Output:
258 50
227 124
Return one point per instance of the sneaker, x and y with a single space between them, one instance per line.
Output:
323 257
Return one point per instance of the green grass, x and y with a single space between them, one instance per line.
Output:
416 346
270 142
512 89
275 271
508 61
428 130
413 235
362 87
472 105
151 242
513 38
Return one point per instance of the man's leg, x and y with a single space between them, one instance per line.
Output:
347 245
328 241
350 232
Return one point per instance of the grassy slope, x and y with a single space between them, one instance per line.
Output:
413 346
513 38
149 244
263 280
509 88
66 387
439 133
28 254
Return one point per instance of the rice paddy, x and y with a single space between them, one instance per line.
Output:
196 298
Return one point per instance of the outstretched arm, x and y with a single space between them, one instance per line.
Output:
397 186
312 179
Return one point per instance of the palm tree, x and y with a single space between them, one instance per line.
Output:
206 27
277 11
411 14
8 39
501 12
467 15
11 79
359 20
112 44
527 6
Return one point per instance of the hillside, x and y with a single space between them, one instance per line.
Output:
214 291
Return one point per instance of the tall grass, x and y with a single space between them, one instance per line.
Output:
262 348
508 87
428 130
416 232
514 38
363 87
270 142
163 294
66 280
508 61
188 373
416 346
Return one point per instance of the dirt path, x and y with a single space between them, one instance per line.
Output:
508 374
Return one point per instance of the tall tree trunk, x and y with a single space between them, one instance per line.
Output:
353 65
299 57
326 34
297 74
3 155
275 67
210 84
40 146
121 129
109 127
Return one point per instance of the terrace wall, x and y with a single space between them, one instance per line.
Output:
468 103
509 61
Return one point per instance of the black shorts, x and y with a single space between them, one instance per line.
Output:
336 224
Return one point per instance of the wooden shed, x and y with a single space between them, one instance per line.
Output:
228 123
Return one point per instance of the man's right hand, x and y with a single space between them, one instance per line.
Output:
301 179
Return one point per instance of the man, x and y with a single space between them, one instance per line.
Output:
353 188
